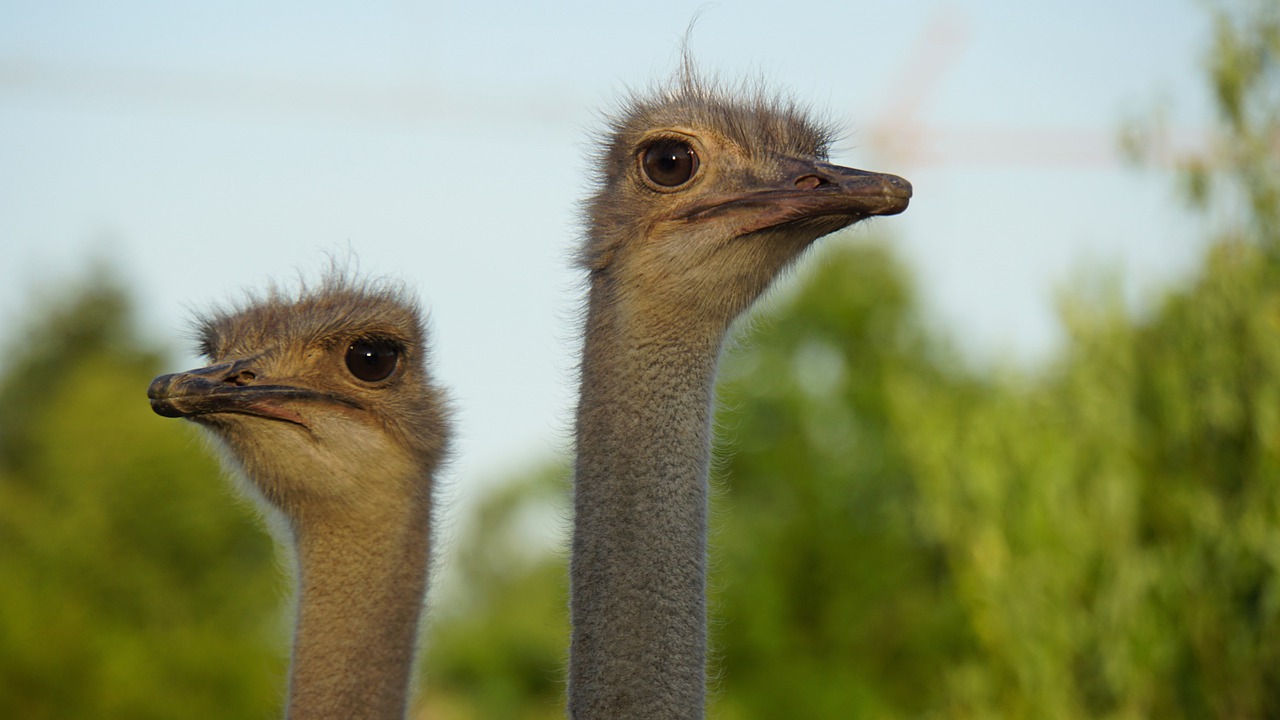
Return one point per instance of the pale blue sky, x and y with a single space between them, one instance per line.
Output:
205 148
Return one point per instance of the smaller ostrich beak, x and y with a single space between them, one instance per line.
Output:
230 387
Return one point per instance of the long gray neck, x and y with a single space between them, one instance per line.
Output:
360 586
639 563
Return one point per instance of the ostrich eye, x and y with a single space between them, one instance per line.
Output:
372 360
669 163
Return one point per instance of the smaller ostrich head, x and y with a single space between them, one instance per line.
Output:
704 194
323 399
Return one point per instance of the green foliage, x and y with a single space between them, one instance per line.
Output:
497 649
134 586
1236 174
1113 527
828 596
1244 73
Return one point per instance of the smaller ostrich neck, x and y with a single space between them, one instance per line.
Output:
360 587
640 517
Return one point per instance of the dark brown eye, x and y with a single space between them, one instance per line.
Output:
372 360
669 163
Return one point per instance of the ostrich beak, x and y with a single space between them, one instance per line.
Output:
838 190
810 190
229 388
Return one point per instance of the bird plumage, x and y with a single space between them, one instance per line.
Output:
323 401
703 196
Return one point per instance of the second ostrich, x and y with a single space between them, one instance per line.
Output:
325 404
703 198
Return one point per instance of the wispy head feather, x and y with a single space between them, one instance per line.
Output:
749 114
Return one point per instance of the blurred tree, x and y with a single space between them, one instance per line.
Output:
1239 172
134 584
496 648
830 601
1113 525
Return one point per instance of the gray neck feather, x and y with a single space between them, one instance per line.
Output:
360 595
640 524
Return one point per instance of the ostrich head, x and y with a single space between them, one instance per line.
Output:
703 196
323 399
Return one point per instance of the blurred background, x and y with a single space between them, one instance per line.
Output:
1014 453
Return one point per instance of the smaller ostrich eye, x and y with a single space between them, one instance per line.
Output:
372 360
669 163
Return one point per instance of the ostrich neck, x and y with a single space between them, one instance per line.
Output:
360 587
640 516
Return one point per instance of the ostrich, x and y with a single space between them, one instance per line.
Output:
324 404
703 197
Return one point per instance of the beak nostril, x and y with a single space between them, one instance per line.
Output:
244 377
811 182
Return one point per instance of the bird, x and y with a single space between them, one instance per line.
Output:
703 194
323 404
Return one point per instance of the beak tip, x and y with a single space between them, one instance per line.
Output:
164 408
158 387
159 395
896 187
898 193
